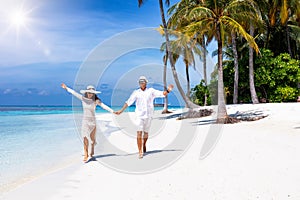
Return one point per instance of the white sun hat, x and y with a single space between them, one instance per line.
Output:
90 89
143 78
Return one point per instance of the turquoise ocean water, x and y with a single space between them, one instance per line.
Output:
35 139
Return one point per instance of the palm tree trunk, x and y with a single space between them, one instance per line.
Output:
251 71
222 112
188 88
165 110
204 68
188 102
236 69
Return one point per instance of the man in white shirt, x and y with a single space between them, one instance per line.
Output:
143 98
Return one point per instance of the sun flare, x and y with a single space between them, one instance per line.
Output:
18 18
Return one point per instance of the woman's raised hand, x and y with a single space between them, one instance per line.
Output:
63 86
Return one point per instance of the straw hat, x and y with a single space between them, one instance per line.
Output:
143 78
90 89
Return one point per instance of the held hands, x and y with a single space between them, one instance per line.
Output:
118 112
121 110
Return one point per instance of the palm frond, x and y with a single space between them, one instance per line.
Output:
236 27
247 6
284 13
201 12
200 27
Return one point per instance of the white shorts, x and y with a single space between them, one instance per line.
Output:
143 124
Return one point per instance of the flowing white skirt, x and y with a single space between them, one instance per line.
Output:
88 125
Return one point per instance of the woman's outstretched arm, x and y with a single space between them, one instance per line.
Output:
77 95
105 107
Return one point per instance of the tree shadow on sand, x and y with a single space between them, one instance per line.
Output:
172 116
204 122
250 115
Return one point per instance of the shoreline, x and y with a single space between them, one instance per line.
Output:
12 186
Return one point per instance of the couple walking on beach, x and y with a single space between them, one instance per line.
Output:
143 98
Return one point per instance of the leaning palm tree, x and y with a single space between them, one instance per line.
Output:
187 101
219 18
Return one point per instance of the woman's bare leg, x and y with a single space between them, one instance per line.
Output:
85 146
93 138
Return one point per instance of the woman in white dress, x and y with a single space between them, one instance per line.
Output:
89 101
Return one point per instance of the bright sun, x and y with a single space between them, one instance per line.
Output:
18 19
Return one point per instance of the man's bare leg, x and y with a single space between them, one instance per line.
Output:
144 142
140 143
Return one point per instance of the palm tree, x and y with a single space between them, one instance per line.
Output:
178 21
187 101
183 46
219 18
202 52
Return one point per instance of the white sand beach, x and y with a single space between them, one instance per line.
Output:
250 160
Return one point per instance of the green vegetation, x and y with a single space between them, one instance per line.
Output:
277 77
276 80
243 31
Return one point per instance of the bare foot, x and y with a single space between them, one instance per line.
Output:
85 159
140 155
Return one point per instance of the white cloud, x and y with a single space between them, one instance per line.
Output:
43 93
7 91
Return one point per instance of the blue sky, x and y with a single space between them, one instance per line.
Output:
54 38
